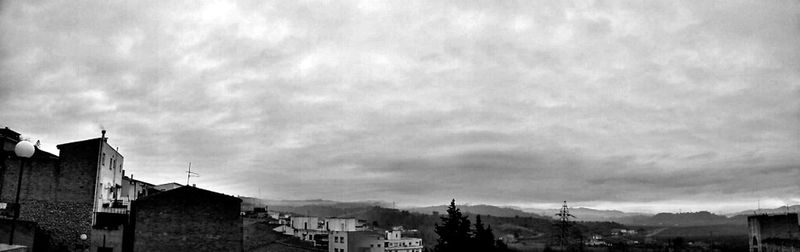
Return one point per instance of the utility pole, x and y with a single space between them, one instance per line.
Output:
712 240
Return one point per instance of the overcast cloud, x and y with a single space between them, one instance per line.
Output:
638 105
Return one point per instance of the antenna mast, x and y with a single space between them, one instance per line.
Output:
189 174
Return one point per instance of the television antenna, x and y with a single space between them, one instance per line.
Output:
190 174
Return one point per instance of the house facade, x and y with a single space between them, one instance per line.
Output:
186 219
62 194
372 241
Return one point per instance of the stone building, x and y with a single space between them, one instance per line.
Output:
62 194
774 233
185 219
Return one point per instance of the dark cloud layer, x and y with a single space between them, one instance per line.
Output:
635 105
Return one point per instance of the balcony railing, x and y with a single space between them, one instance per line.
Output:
114 210
115 206
109 221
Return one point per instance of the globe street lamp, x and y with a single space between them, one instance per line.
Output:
83 246
24 150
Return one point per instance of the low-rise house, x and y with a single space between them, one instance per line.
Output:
308 227
596 240
317 229
395 242
284 229
68 196
186 219
372 241
622 232
133 189
361 241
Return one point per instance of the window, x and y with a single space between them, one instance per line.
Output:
103 160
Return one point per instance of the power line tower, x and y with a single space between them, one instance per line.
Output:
564 224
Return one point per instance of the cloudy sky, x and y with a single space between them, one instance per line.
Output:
632 105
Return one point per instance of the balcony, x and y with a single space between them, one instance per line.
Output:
116 206
111 216
109 220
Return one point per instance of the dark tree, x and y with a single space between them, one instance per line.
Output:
454 233
484 238
501 246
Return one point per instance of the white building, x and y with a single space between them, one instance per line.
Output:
396 243
309 228
372 241
357 241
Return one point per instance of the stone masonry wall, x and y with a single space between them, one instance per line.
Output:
62 222
56 193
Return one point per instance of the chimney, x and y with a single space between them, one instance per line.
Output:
103 136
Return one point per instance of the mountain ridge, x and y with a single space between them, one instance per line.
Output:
481 209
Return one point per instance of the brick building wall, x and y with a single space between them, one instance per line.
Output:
56 192
39 181
68 177
79 167
186 219
57 195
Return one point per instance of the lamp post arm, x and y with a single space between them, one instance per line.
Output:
17 207
24 150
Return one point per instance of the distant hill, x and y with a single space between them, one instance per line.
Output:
702 231
779 210
692 219
478 209
587 214
321 202
702 218
526 227
323 208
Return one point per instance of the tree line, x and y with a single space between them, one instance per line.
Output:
457 233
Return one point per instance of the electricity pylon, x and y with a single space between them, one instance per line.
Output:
564 224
